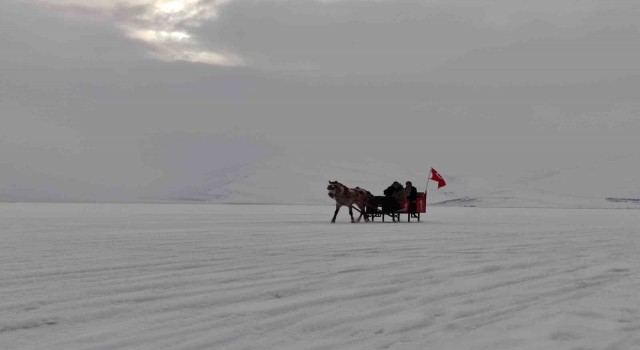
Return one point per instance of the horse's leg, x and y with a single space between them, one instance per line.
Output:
365 209
335 213
362 213
351 213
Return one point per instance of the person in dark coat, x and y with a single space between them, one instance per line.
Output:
412 196
395 187
390 203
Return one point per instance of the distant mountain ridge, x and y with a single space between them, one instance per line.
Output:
302 178
287 180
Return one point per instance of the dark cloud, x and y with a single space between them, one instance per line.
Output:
378 37
400 38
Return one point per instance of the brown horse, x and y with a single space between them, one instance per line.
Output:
344 195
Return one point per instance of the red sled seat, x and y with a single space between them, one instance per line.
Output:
421 204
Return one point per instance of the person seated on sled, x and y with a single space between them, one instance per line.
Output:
412 196
391 201
391 190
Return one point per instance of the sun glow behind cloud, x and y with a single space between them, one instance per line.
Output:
163 25
159 36
171 6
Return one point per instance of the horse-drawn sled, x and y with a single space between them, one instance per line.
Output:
397 201
411 210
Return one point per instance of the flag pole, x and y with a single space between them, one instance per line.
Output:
426 196
427 187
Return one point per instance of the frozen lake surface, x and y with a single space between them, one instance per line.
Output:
191 276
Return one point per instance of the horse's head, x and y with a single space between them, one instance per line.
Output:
333 188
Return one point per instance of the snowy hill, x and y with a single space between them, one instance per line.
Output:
290 179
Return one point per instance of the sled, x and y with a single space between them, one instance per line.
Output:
421 208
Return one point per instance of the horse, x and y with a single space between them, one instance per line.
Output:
344 195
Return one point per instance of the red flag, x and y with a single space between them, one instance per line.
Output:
437 178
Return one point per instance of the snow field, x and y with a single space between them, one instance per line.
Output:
190 276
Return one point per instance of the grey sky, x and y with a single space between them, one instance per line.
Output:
112 100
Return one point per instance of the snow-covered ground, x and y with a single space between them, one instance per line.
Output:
191 276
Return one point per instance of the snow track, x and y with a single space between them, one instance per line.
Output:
168 276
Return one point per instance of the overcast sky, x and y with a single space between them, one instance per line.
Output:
116 100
